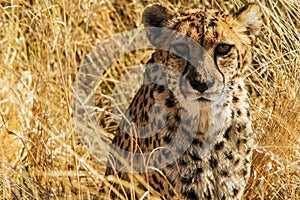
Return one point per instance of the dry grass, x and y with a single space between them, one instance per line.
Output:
43 42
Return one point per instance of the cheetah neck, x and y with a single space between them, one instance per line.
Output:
214 119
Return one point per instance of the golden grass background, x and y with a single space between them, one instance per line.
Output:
42 43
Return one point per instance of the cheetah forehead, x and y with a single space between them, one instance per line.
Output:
209 27
203 14
206 26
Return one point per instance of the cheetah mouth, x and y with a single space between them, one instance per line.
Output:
203 98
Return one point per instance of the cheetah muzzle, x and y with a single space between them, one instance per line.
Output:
195 90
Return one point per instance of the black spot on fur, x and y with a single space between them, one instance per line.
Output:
161 89
192 24
235 99
219 146
248 151
197 142
199 170
150 140
177 117
236 162
141 105
224 173
151 60
229 155
246 161
226 134
145 102
126 136
130 112
154 179
235 191
240 88
156 137
190 194
134 101
162 188
211 24
146 89
213 163
151 94
248 113
170 102
134 118
238 142
142 114
216 34
167 139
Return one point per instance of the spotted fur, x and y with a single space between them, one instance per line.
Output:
211 106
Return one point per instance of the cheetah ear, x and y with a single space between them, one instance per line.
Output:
156 15
249 17
155 18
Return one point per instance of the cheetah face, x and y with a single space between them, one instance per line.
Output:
209 49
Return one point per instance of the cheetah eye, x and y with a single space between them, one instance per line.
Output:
181 49
223 49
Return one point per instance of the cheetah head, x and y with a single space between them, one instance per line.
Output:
209 49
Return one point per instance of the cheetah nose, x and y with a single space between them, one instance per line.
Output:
201 86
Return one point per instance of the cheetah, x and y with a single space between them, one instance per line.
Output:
191 115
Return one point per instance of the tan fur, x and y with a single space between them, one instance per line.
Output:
217 163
